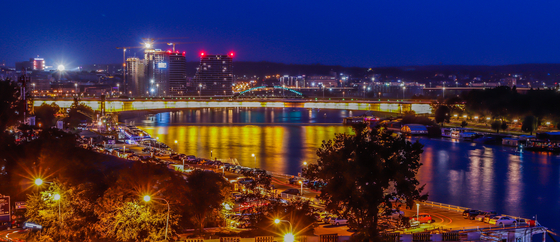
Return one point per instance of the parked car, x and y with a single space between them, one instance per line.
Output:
503 221
293 180
338 221
467 211
488 217
245 180
480 217
328 218
32 226
472 214
422 218
291 191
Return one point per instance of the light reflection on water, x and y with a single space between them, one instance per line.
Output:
460 173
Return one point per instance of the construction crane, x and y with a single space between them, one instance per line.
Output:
124 59
178 43
149 42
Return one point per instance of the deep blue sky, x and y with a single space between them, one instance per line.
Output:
349 33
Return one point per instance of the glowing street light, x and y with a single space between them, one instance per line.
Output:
147 198
305 163
61 68
38 181
301 189
289 237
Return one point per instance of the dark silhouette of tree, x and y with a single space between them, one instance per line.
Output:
364 173
205 195
496 125
45 114
528 125
442 114
464 124
11 106
78 112
504 126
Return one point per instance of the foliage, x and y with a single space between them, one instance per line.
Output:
504 125
11 106
45 114
205 195
77 113
443 114
496 125
464 124
364 172
413 119
529 124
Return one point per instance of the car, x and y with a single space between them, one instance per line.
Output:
502 221
245 180
482 215
32 226
293 180
471 214
338 221
467 211
327 218
422 218
291 191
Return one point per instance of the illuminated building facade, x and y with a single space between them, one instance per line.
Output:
136 79
157 71
38 64
177 74
214 75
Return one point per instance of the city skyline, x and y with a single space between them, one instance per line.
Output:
366 34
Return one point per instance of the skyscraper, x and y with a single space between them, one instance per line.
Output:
214 75
136 80
177 74
157 71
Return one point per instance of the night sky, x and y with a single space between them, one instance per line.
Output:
349 33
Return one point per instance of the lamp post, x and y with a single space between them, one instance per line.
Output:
38 182
289 237
199 89
255 158
147 198
211 154
403 88
118 88
417 211
176 146
301 188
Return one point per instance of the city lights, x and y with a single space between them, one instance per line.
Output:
61 68
38 181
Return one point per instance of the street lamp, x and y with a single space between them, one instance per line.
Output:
301 188
417 211
289 237
147 198
403 88
118 87
176 146
253 155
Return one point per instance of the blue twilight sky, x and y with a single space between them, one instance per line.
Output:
350 33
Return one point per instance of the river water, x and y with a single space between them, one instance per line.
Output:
280 139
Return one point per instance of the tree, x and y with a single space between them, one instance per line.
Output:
496 125
504 125
464 124
205 195
45 114
78 112
364 172
442 114
528 124
11 107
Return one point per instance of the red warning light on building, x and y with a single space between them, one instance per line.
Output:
202 54
231 54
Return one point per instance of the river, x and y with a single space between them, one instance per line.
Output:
280 139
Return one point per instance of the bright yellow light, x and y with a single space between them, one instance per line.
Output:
488 118
305 163
289 237
38 181
56 197
253 155
147 198
464 116
148 45
175 141
300 182
277 221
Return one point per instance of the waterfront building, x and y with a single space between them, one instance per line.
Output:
136 84
214 75
177 74
157 71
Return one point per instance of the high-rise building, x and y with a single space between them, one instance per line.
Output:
136 84
214 75
38 64
177 74
157 71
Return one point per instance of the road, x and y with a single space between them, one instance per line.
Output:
13 235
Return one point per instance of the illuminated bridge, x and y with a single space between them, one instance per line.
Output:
123 105
270 91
